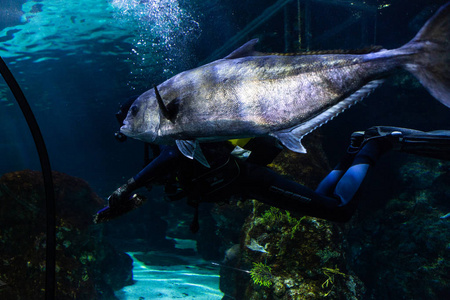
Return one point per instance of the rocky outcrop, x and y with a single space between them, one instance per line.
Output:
87 267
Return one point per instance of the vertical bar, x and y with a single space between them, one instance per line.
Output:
286 29
375 27
299 25
50 206
364 29
307 19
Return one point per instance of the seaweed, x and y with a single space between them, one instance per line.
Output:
330 273
261 274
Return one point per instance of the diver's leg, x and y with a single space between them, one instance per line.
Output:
328 184
273 189
378 140
351 181
330 181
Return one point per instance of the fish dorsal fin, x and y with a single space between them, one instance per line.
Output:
191 149
245 50
291 137
370 49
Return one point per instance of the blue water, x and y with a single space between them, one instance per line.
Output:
76 61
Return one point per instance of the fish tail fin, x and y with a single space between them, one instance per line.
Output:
431 64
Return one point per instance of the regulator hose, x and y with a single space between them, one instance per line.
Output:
48 179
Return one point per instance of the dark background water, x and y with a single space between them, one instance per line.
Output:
75 77
77 61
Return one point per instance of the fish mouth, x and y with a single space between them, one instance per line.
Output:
127 130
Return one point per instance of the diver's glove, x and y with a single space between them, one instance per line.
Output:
122 193
120 202
109 213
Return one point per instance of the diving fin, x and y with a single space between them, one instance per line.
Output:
191 149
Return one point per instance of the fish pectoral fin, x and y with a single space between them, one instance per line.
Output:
191 149
291 140
245 50
168 111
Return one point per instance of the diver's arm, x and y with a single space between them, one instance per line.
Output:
160 166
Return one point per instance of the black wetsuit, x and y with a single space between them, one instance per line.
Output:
334 199
251 178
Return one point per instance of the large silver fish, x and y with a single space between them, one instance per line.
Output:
250 94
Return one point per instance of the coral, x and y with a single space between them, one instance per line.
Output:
271 216
261 274
275 216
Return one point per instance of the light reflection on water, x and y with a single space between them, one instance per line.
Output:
158 31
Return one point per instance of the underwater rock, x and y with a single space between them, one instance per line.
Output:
401 250
303 258
87 267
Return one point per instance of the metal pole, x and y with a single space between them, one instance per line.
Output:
50 206
307 20
286 30
299 25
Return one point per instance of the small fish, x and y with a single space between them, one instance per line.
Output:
249 93
232 253
445 216
254 246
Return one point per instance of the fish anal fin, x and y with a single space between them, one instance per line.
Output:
291 137
191 149
291 140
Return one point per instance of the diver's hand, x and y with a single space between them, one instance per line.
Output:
109 213
122 193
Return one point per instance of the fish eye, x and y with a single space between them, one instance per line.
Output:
134 110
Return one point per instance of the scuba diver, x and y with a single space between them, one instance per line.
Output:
241 170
